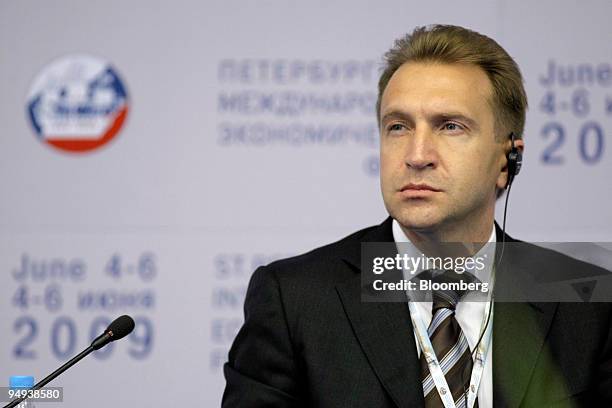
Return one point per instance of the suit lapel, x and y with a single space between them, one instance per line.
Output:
384 331
519 333
386 336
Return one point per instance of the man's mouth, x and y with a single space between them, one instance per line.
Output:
418 190
419 187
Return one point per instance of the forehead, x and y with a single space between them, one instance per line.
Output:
430 86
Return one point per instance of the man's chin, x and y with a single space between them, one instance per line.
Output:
416 223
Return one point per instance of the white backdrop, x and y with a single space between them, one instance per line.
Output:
250 135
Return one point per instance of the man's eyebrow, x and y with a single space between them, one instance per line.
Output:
456 116
434 117
395 114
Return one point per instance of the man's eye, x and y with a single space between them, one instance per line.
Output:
451 126
395 127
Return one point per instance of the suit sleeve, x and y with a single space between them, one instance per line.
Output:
261 370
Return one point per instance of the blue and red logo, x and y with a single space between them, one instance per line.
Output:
77 103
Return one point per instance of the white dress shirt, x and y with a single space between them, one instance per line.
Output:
469 315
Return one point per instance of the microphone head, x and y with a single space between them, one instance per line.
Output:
120 327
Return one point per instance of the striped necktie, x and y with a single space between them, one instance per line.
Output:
452 350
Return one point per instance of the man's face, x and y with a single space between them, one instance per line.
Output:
439 158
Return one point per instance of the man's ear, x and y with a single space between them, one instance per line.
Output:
502 179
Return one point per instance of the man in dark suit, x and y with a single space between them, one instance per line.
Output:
448 100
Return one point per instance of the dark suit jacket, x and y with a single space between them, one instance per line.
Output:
309 341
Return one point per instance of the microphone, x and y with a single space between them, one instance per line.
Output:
118 329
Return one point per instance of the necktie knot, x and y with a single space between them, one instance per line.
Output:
449 291
444 299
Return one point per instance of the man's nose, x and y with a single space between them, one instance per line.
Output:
421 151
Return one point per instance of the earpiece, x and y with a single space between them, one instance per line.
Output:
515 160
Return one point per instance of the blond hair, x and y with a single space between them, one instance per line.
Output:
457 45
